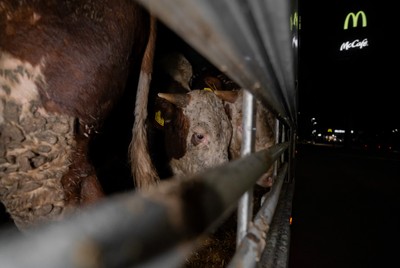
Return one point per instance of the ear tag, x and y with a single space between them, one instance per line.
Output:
159 118
208 89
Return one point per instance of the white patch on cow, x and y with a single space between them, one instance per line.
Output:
19 81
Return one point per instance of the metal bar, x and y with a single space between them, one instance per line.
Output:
132 228
277 140
248 123
276 252
291 154
273 26
245 205
283 139
252 245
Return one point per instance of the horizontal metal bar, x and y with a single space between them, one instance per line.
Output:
132 228
276 34
276 252
252 246
231 42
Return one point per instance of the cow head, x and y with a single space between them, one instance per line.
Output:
197 131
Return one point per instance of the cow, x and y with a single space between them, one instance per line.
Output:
173 73
63 66
265 129
197 131
193 133
232 94
189 129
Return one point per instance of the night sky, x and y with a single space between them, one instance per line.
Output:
355 88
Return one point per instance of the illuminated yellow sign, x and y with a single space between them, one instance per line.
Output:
329 130
294 21
354 18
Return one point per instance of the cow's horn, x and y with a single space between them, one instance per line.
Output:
179 99
227 95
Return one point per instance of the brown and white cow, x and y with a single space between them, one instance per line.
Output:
264 123
63 66
196 131
232 94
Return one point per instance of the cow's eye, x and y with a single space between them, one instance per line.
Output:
197 138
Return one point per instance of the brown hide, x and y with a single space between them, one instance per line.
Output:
63 65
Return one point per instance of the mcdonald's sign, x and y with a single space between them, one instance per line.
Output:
294 21
354 18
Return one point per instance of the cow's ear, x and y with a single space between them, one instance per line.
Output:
227 95
180 100
213 82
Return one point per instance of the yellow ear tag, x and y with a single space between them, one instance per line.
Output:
208 89
159 118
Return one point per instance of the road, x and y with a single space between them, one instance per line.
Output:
345 209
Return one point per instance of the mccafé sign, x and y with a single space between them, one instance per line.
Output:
360 44
352 21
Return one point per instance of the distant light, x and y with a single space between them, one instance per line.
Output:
339 131
351 131
290 220
329 130
319 134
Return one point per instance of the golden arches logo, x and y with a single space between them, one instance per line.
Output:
294 21
354 17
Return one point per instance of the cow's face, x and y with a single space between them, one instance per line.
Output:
198 131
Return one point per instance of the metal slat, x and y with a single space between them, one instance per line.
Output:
273 24
252 245
245 205
276 252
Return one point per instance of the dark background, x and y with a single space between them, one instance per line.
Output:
348 90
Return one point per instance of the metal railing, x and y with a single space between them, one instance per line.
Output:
252 42
136 229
